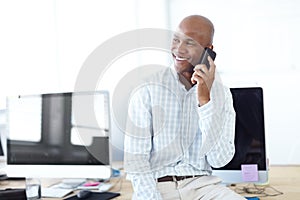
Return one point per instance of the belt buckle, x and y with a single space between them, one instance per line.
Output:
174 178
179 178
186 177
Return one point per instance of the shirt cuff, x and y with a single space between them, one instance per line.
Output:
206 110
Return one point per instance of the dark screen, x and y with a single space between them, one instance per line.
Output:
249 129
1 148
55 124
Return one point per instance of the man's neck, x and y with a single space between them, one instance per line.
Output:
185 79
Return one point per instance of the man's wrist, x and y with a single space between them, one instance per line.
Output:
203 102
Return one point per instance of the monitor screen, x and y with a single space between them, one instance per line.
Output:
250 148
2 156
59 135
2 135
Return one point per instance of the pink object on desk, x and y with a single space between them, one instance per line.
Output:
91 184
249 172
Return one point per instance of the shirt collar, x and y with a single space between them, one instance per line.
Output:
176 77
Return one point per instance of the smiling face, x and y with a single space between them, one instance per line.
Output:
193 34
186 52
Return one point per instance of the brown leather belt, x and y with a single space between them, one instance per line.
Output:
174 178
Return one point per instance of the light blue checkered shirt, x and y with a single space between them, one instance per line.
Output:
168 134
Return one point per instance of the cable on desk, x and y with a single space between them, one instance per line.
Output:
260 191
120 182
120 185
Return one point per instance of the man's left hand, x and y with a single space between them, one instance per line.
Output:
204 78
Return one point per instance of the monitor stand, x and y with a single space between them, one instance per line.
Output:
71 183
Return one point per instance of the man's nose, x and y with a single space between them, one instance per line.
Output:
181 47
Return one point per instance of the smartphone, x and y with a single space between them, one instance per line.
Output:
207 52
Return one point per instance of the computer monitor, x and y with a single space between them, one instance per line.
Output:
2 137
249 163
65 135
2 156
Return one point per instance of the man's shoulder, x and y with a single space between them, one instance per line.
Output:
160 76
157 82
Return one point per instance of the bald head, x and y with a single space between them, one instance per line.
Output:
199 28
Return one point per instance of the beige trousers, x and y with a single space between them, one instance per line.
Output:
204 188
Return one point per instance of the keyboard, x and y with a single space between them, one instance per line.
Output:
55 192
102 187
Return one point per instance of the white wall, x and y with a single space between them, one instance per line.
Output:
44 44
257 43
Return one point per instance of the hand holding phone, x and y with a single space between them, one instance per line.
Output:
207 52
204 84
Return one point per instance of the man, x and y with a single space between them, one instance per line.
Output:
180 124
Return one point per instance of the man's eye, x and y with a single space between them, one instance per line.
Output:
190 43
175 40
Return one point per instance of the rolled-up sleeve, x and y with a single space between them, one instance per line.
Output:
138 146
217 124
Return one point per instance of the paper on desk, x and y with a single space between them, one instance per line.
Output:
249 172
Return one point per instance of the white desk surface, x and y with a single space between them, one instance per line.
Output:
284 178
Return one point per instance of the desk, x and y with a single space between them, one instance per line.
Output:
283 178
121 185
